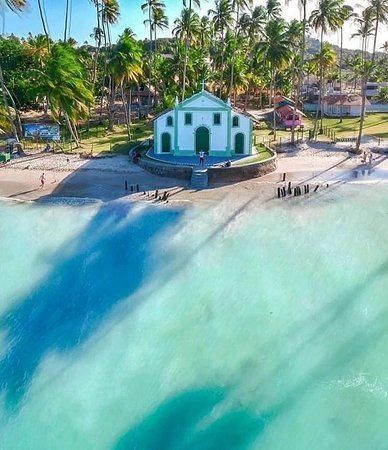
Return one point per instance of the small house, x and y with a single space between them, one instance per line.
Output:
286 113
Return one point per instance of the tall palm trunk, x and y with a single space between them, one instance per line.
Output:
72 130
340 68
95 65
66 20
19 127
375 37
111 101
362 119
126 112
236 32
105 25
187 45
6 105
319 106
222 60
42 18
300 71
151 59
272 88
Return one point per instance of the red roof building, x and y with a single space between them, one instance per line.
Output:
343 105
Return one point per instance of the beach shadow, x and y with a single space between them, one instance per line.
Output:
23 193
92 182
188 421
104 265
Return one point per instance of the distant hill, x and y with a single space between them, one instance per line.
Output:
314 46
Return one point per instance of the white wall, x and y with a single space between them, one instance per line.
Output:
218 133
186 133
244 127
160 126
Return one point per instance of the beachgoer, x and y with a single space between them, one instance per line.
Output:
42 180
370 158
47 148
228 163
201 158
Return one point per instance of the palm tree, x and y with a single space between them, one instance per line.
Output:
274 10
187 24
296 32
205 31
365 29
379 10
110 15
354 64
187 40
326 18
325 60
237 6
367 70
63 80
346 14
252 26
13 5
160 22
222 21
276 52
125 66
149 7
385 47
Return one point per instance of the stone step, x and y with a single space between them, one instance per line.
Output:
199 179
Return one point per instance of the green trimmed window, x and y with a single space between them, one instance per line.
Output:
236 121
169 121
188 119
216 119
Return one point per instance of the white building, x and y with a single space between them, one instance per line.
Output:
206 123
345 105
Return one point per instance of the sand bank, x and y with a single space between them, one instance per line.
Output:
104 179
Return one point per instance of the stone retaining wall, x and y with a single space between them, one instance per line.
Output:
241 173
215 174
166 170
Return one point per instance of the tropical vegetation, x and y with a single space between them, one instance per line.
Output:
242 52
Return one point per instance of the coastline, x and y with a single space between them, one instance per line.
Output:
104 179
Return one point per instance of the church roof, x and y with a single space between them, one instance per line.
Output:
213 98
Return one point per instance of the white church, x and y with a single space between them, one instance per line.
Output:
205 123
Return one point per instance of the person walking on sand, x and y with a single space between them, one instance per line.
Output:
201 158
42 180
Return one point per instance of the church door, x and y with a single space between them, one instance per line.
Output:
202 139
239 143
166 143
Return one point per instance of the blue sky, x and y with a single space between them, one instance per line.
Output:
83 19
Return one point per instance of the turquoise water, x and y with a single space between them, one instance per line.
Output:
243 326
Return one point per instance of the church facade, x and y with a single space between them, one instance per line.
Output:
205 123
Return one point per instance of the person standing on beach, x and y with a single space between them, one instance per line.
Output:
42 180
370 158
201 158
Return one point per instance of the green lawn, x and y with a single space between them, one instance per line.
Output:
375 125
262 155
117 142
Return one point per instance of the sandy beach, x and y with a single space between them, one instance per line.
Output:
104 179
